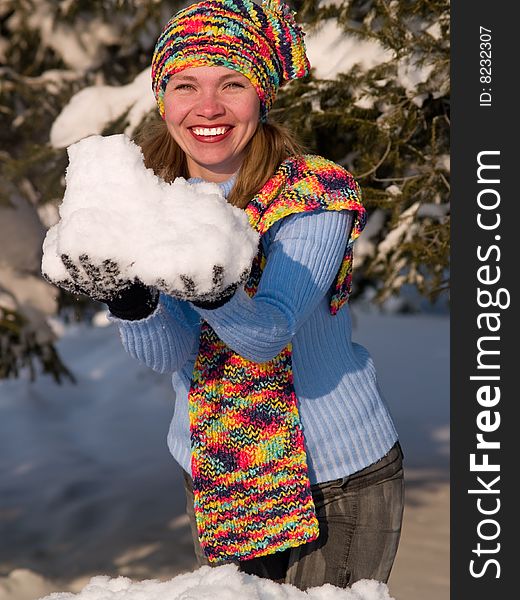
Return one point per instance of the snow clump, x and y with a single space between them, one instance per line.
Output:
184 238
218 583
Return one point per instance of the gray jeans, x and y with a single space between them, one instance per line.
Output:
360 524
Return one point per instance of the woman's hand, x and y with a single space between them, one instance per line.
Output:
215 296
100 282
126 299
132 299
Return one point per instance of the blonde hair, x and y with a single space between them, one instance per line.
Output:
270 145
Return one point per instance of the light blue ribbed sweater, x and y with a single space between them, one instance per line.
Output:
345 420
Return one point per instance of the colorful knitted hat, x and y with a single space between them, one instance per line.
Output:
264 43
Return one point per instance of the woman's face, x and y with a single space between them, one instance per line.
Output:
212 113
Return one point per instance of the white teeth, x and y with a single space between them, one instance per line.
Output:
209 131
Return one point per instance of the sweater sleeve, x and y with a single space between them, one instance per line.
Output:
303 258
165 340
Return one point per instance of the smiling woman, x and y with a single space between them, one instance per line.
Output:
290 457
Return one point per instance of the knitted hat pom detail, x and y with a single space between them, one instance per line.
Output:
288 36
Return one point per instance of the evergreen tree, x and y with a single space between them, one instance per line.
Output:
50 50
388 124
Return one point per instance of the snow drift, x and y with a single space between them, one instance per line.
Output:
219 583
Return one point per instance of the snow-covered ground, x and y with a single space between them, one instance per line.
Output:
222 583
87 485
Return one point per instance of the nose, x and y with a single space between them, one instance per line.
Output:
209 105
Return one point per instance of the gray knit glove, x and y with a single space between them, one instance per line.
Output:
217 294
126 299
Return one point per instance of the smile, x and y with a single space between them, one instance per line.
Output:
209 130
210 135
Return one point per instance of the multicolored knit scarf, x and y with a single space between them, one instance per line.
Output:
249 468
263 42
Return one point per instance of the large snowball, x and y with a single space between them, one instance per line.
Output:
164 234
